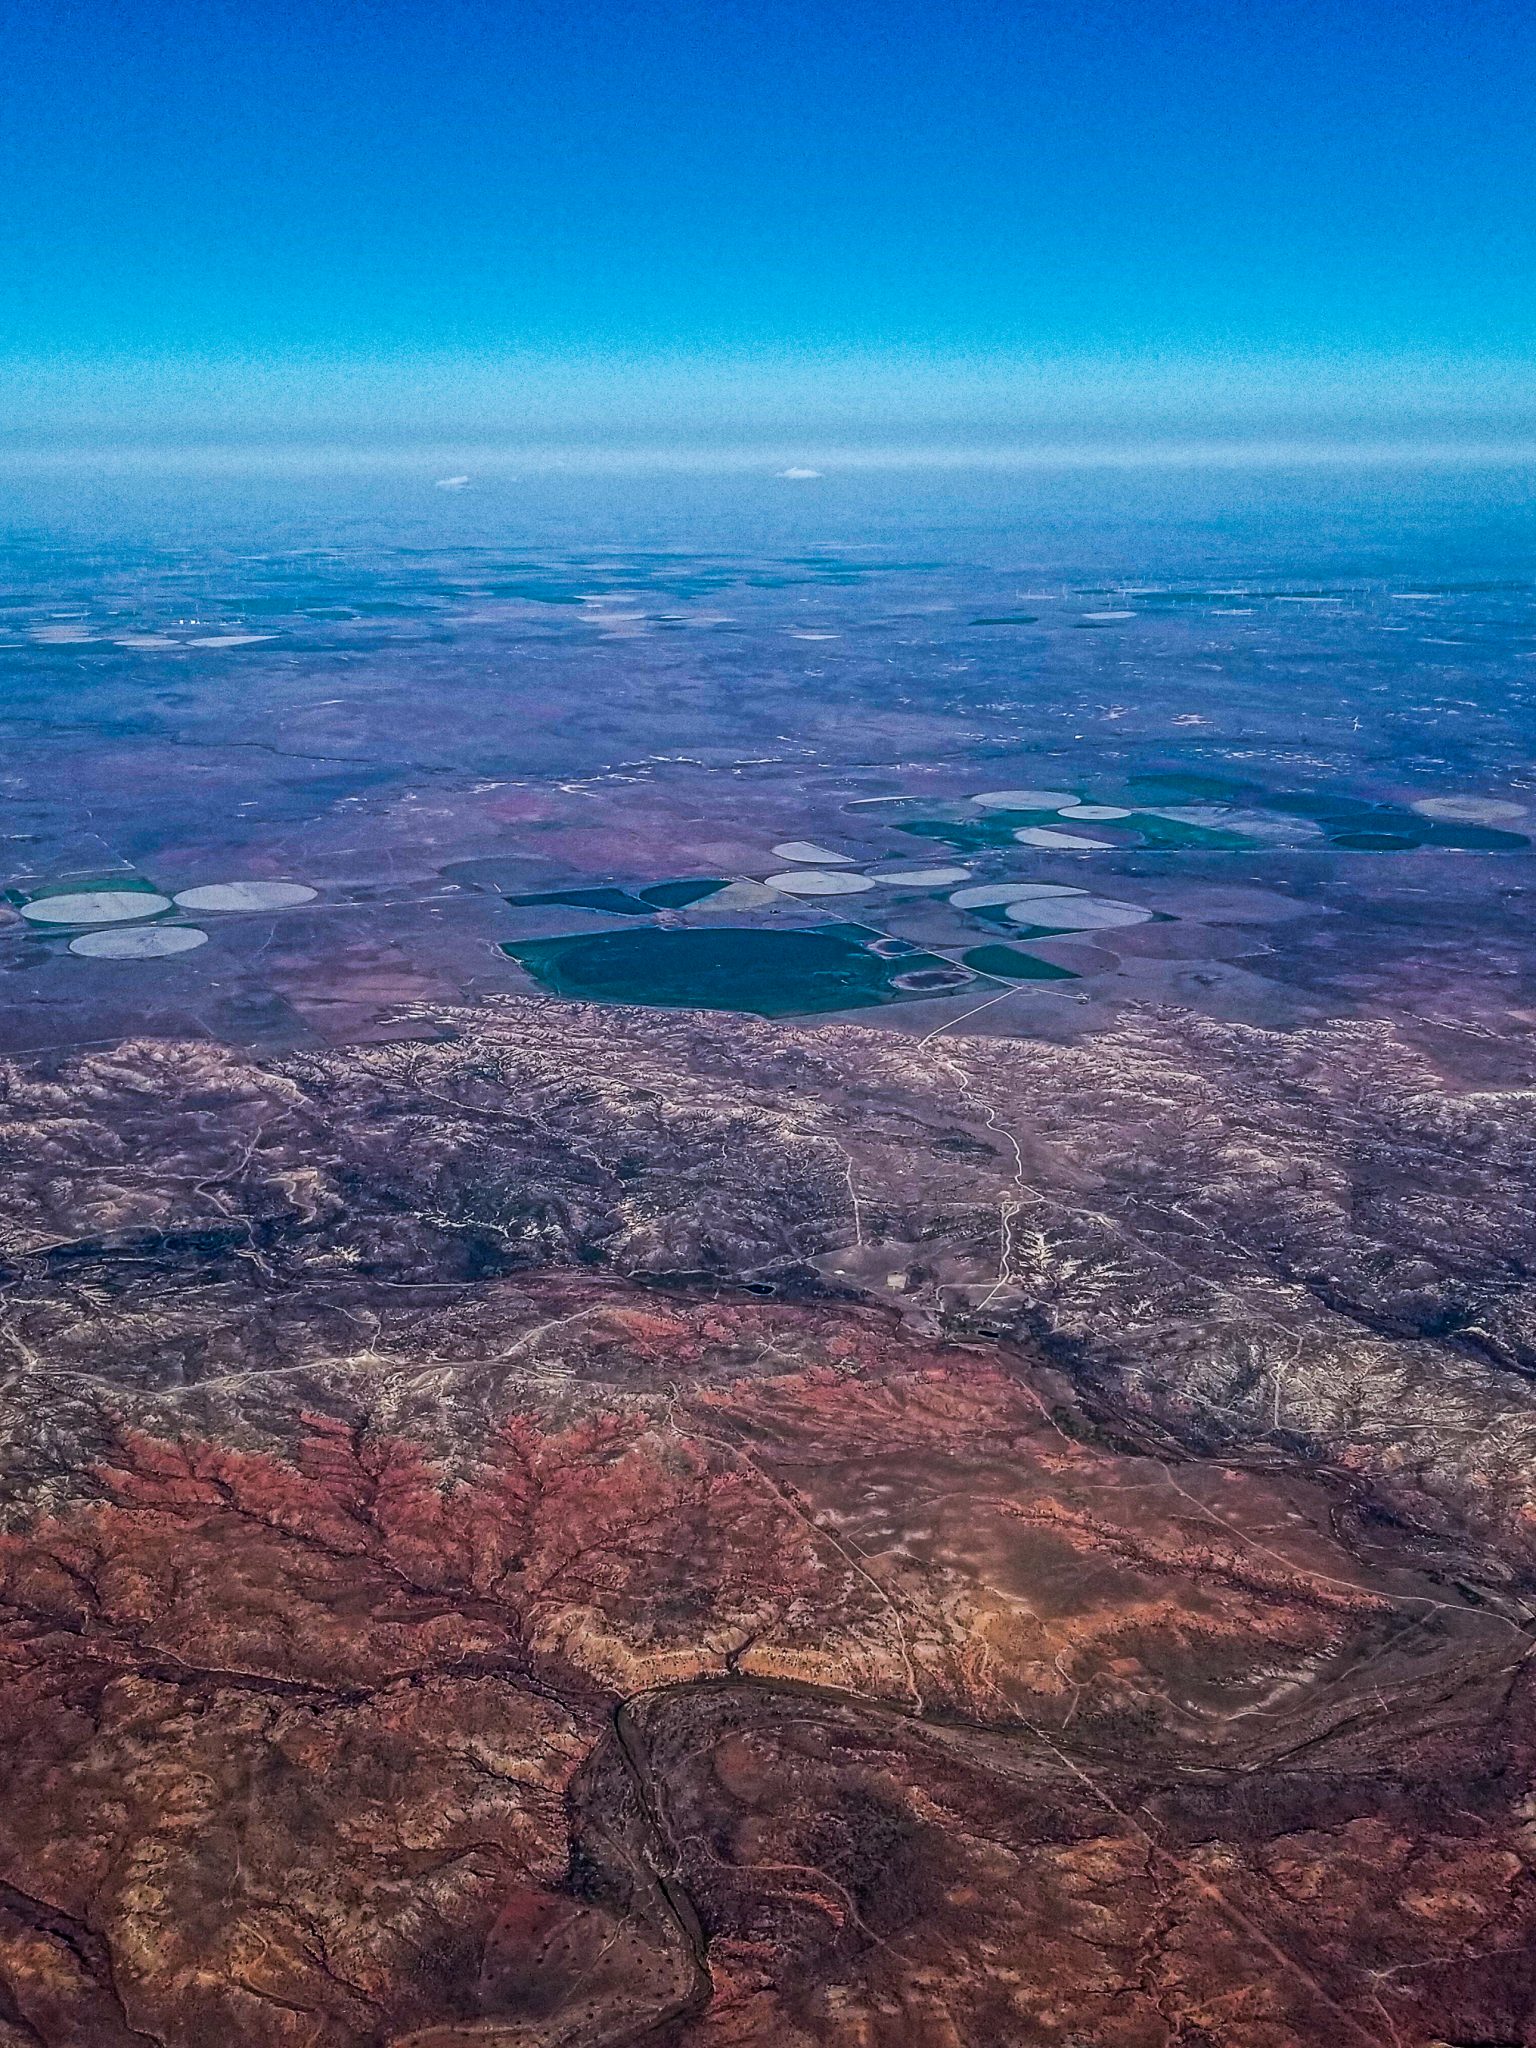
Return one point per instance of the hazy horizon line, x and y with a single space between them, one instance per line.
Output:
458 465
861 403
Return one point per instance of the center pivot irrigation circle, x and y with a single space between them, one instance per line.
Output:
95 906
245 896
142 942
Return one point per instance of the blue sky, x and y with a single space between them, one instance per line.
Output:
920 217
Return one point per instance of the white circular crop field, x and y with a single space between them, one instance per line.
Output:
1469 810
1069 842
95 906
1086 914
990 895
246 896
808 850
1024 799
143 942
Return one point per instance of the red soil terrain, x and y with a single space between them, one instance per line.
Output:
875 1697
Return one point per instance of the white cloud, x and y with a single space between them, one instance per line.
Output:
452 483
798 474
